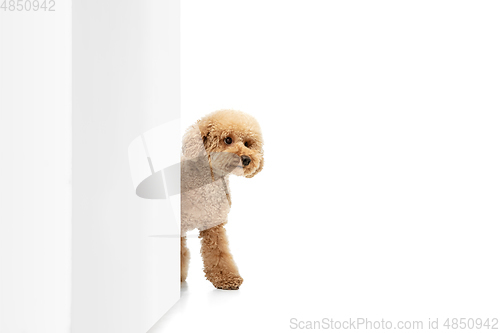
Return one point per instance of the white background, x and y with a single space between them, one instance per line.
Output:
380 193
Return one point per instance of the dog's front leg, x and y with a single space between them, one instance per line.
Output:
184 259
219 265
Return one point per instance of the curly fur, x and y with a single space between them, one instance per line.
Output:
207 162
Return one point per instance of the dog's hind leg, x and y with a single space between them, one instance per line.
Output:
219 265
184 259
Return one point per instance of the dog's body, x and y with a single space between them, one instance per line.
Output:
222 143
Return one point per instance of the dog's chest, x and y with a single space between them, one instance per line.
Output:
204 201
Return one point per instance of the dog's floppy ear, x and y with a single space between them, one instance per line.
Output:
197 140
193 142
207 129
204 128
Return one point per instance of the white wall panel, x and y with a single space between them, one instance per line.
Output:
79 250
35 170
126 82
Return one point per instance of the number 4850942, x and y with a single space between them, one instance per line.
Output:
28 5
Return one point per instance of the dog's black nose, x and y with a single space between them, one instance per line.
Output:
245 160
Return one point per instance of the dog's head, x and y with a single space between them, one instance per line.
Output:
233 138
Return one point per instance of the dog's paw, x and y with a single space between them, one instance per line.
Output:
232 283
225 281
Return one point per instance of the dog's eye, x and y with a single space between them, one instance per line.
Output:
247 144
228 140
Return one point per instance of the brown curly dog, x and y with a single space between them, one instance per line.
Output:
222 143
